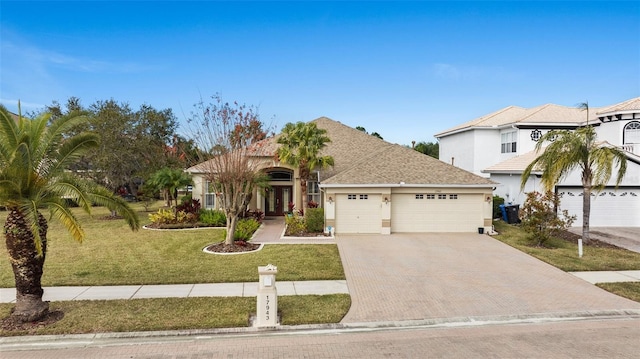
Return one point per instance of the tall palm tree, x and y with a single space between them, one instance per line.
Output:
34 155
301 144
570 150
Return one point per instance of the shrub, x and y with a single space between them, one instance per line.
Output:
539 217
245 229
295 226
163 216
213 217
497 201
312 204
314 220
191 207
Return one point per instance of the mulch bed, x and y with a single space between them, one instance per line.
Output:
233 248
10 323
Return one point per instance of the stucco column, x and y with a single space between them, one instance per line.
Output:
385 213
330 210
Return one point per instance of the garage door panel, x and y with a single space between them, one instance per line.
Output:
610 208
411 213
358 215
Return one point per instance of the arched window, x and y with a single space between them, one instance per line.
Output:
631 132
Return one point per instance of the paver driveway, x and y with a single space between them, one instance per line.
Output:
446 275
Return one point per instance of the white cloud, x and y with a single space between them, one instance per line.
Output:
471 72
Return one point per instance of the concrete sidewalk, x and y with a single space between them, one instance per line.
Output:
249 289
609 276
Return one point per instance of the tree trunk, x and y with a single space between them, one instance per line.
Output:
586 210
27 265
304 176
232 223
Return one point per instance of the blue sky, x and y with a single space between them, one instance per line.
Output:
406 70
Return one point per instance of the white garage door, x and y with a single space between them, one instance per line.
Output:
436 212
609 208
358 213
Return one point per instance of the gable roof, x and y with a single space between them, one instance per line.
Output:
363 159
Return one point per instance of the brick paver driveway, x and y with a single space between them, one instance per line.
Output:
425 276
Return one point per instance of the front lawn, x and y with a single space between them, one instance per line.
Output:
564 254
101 316
114 255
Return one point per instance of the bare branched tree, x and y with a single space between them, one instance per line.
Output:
229 136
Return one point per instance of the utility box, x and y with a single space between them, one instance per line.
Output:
267 311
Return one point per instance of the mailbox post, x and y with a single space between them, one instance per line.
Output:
267 311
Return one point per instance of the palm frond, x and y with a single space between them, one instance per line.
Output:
59 210
103 196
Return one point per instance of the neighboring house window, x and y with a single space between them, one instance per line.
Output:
364 196
313 191
431 196
632 132
453 196
209 196
351 196
442 196
508 142
419 196
535 135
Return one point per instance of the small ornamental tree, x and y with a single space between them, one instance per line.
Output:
229 135
539 217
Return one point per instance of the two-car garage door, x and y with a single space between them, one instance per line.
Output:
409 213
610 208
436 212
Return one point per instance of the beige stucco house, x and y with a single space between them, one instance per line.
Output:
375 187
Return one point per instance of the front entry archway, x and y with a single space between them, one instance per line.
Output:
276 201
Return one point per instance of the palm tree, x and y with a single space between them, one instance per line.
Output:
34 155
301 144
170 180
570 150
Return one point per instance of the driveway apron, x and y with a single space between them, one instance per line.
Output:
448 275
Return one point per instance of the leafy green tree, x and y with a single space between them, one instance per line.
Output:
133 144
170 180
374 134
579 149
34 156
428 148
301 145
539 217
225 133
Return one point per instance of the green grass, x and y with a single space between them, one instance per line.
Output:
181 313
630 290
564 255
112 254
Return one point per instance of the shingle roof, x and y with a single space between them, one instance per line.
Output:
364 159
393 164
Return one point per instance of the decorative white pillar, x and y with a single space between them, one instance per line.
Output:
267 311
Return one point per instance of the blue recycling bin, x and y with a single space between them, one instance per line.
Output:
503 210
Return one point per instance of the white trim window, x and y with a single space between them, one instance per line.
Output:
632 133
209 196
508 142
313 192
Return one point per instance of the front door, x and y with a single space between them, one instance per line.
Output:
277 200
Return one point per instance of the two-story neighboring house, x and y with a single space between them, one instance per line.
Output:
501 145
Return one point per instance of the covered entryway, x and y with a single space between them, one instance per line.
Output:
358 213
610 208
439 212
277 200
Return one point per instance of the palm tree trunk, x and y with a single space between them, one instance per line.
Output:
27 265
586 210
